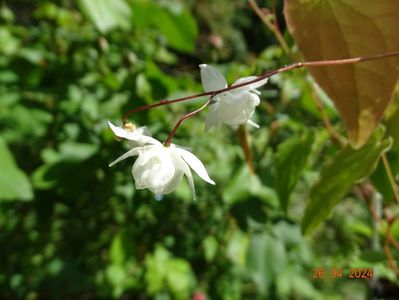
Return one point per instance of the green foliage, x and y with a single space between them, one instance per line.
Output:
108 14
14 184
291 159
73 228
338 175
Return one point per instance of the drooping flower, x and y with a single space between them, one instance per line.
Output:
159 168
232 107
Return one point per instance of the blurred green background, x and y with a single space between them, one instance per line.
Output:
73 228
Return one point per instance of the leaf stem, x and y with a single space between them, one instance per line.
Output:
391 179
271 25
265 75
181 120
244 141
335 136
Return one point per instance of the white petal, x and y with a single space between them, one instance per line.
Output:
252 123
251 86
211 78
182 165
195 164
173 183
135 135
212 119
132 152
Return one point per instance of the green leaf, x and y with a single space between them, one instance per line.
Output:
244 186
338 176
179 277
210 245
117 250
331 29
291 158
107 14
180 30
14 184
177 26
266 258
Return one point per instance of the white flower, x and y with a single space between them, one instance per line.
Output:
233 107
159 168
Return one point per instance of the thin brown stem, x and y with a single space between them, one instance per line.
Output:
271 25
391 261
393 241
326 121
181 120
268 74
390 177
244 141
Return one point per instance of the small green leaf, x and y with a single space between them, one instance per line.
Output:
291 158
117 250
339 175
266 258
245 185
179 278
180 30
178 27
107 14
14 184
210 245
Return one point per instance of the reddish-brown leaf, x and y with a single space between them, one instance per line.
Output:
335 29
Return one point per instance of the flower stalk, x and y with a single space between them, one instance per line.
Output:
181 120
310 64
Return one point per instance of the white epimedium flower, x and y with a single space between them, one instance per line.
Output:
232 107
160 168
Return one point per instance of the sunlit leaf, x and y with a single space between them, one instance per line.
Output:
331 29
14 184
107 14
338 175
177 26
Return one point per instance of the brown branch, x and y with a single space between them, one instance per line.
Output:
268 74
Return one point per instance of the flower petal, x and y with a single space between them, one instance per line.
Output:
173 183
182 165
136 135
251 86
195 164
212 119
211 78
132 152
252 123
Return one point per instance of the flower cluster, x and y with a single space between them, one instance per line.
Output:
161 167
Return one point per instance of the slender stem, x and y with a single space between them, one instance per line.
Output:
244 141
340 140
262 77
390 177
273 27
393 241
391 261
181 120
